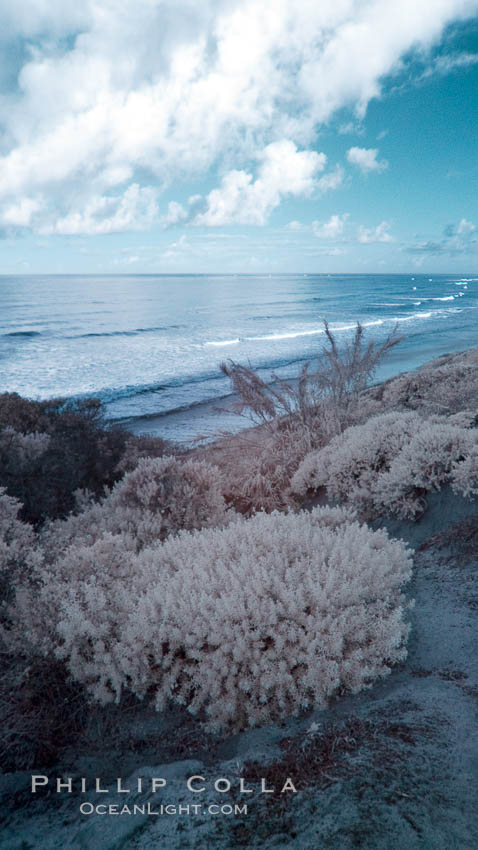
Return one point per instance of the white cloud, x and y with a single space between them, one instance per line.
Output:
366 159
380 233
20 214
176 250
324 251
242 200
351 128
175 215
331 229
109 93
457 239
294 226
134 210
446 64
465 227
32 18
332 180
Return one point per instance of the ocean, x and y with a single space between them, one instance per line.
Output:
149 346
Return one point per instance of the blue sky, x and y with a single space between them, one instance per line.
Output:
238 136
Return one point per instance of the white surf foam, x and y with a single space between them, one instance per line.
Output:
222 342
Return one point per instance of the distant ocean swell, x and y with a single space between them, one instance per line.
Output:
334 328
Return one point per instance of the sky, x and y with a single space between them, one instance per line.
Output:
238 136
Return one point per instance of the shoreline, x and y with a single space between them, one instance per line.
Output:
210 423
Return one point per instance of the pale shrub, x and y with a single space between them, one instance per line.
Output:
80 608
161 496
26 447
464 419
439 387
348 466
15 536
390 463
17 541
19 560
246 624
432 458
464 474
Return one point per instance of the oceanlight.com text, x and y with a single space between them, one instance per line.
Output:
186 810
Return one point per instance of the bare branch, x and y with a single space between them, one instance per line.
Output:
317 398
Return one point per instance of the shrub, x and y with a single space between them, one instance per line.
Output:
137 447
26 447
49 449
424 464
257 466
247 624
326 392
16 537
390 463
161 496
349 464
464 473
36 715
41 712
18 552
299 416
22 465
445 386
78 606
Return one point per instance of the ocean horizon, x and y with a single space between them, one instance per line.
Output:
149 346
